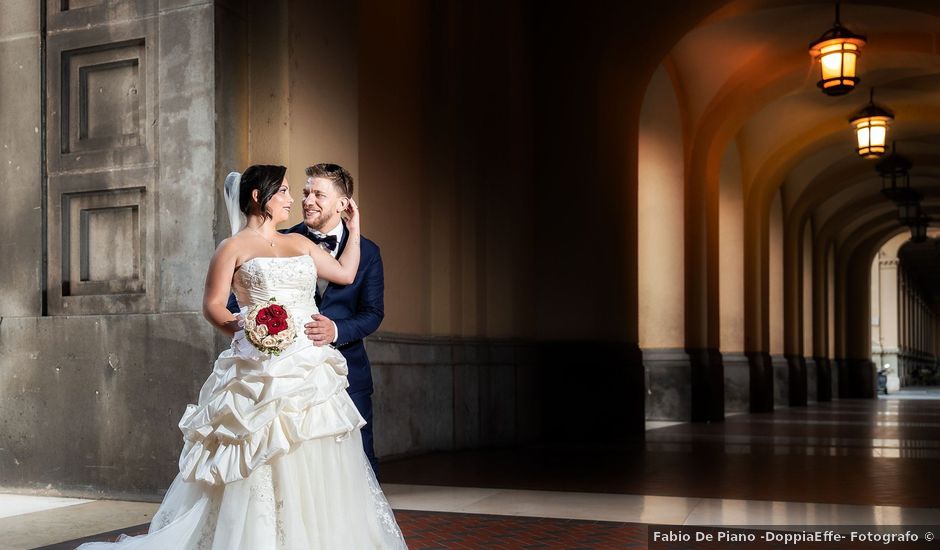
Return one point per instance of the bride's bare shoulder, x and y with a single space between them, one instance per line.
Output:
230 247
299 240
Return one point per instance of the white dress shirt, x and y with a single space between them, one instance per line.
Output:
322 283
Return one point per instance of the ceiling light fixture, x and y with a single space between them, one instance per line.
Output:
871 129
895 172
837 51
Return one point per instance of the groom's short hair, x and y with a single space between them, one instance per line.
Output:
341 179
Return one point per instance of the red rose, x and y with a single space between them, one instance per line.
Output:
276 325
264 316
277 312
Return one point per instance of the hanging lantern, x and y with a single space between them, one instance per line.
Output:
837 51
871 129
895 170
909 213
919 229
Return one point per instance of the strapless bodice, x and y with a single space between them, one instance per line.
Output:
292 280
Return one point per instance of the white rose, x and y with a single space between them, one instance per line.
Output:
269 342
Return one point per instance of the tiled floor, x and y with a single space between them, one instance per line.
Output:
864 462
863 452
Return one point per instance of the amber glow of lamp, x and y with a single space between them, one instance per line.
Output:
837 51
871 129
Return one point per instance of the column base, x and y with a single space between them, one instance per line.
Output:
796 375
668 384
812 383
708 385
737 382
761 381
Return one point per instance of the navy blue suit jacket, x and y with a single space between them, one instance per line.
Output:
357 309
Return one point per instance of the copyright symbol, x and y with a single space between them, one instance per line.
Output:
928 535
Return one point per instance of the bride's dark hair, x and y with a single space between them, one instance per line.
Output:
266 178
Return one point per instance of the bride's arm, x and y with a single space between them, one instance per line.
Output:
219 287
343 270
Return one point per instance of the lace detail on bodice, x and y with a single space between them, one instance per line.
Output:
292 280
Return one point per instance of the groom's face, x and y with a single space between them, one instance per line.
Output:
323 204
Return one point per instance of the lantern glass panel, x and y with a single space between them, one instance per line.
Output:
872 133
838 62
864 134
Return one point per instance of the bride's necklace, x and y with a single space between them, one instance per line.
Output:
260 234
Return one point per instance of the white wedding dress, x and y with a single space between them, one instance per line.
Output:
272 455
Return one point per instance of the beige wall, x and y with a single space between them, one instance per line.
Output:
888 304
323 84
886 293
660 231
303 102
390 151
831 300
807 275
439 156
731 252
876 304
776 275
268 87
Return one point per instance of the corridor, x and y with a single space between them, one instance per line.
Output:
631 263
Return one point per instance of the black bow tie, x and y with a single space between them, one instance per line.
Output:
327 241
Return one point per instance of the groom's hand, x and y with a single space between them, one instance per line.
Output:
321 330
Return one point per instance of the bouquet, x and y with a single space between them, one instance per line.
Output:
269 328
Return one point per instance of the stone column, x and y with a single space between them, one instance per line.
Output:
902 326
920 323
21 161
662 264
888 317
876 310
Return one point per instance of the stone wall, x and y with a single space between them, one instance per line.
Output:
448 394
109 145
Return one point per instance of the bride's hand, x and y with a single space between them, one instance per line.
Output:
352 215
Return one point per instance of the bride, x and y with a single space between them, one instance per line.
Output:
272 456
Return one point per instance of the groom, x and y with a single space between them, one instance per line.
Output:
348 313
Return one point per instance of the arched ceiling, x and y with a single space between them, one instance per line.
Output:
747 68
